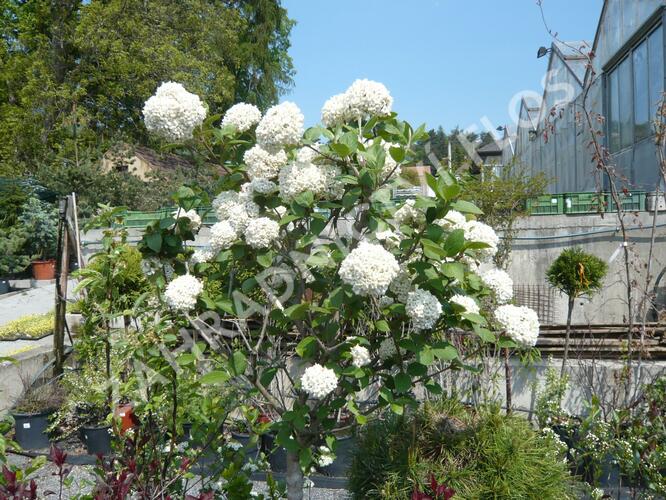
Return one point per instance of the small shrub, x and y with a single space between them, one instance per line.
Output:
33 326
36 399
478 454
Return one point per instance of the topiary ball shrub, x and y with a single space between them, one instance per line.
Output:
479 453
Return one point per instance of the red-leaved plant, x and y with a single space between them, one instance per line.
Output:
437 491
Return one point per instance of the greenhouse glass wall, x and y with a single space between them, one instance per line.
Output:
624 88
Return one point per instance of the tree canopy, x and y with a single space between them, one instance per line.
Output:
74 75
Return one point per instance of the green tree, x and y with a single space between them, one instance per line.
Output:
575 273
501 197
74 75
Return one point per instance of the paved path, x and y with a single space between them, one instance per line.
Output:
32 301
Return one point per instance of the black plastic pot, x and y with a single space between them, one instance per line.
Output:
97 439
344 452
277 457
251 449
4 286
31 430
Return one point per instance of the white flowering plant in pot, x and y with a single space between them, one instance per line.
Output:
351 295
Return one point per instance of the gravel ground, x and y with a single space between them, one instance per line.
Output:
82 480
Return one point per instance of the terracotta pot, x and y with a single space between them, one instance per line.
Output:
128 420
43 269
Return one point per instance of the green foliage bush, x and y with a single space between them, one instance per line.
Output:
480 453
40 220
12 257
576 272
123 268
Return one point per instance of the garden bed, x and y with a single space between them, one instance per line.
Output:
31 327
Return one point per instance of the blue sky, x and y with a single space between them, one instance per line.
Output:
446 62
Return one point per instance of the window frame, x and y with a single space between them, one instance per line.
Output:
626 53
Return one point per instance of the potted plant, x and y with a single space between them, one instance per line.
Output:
85 410
31 414
12 258
41 222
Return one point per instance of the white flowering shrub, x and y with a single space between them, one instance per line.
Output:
173 112
332 289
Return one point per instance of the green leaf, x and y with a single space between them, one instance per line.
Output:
485 334
382 326
340 149
297 311
397 153
215 377
397 408
426 356
305 458
417 369
454 243
403 382
454 270
466 207
433 387
432 250
154 241
336 297
265 259
238 363
307 347
267 376
447 353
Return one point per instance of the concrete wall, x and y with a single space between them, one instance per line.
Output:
538 242
603 379
26 367
540 239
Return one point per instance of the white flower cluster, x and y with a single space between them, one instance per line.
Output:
362 99
319 381
281 125
222 235
262 186
389 238
202 255
467 303
304 175
192 215
241 116
519 322
452 220
173 112
482 233
236 208
387 349
500 283
360 356
408 214
296 178
335 111
262 164
423 308
401 284
326 457
262 232
183 291
369 269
